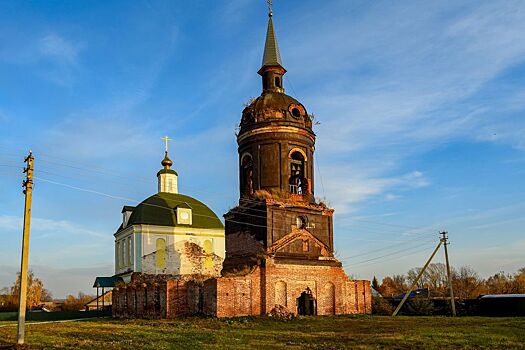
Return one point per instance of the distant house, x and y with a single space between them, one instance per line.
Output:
420 292
55 305
102 302
502 305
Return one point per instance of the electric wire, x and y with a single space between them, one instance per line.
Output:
356 266
389 254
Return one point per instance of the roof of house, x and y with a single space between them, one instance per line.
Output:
494 296
106 282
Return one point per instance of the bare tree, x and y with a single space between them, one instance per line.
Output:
500 283
434 278
467 284
393 285
73 303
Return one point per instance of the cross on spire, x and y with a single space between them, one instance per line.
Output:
166 139
269 7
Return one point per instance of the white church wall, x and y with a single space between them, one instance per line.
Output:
124 251
186 250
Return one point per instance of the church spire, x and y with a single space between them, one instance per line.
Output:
271 56
272 68
167 176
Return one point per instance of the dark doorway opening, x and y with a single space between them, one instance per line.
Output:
306 304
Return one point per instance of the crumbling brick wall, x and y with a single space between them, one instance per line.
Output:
256 292
259 291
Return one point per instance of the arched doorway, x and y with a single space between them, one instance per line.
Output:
306 304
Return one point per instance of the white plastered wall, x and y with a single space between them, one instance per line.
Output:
184 252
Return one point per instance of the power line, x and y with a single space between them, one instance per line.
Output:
380 249
390 254
391 259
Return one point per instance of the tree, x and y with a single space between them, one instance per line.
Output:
434 278
73 303
500 283
466 283
519 282
375 284
35 291
4 298
393 285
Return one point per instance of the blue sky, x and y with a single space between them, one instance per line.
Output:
421 108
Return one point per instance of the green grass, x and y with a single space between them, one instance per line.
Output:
341 332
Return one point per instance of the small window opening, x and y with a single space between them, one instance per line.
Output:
247 175
297 183
305 246
301 222
278 82
296 112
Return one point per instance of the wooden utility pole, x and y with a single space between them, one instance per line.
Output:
417 278
452 301
28 191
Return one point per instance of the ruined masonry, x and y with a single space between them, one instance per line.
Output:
276 251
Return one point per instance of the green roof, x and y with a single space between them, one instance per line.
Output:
167 171
106 281
127 208
161 210
271 56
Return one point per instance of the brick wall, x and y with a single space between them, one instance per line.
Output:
255 293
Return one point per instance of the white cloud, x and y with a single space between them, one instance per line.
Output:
346 187
56 46
41 228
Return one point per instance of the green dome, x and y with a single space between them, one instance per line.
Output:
161 209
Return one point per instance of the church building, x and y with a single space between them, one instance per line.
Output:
277 244
169 234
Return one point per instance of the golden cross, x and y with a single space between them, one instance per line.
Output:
166 139
269 7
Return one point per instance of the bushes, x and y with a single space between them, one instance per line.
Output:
381 306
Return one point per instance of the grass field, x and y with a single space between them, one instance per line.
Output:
341 332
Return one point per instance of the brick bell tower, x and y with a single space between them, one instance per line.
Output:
279 239
278 215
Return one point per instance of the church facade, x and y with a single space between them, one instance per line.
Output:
279 246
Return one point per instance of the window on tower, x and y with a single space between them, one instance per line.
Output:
301 222
247 175
297 183
278 82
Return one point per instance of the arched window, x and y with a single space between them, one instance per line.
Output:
160 254
301 222
298 183
207 248
122 254
278 82
128 251
117 253
247 175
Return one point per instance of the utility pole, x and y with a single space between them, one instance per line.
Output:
28 191
417 278
444 239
